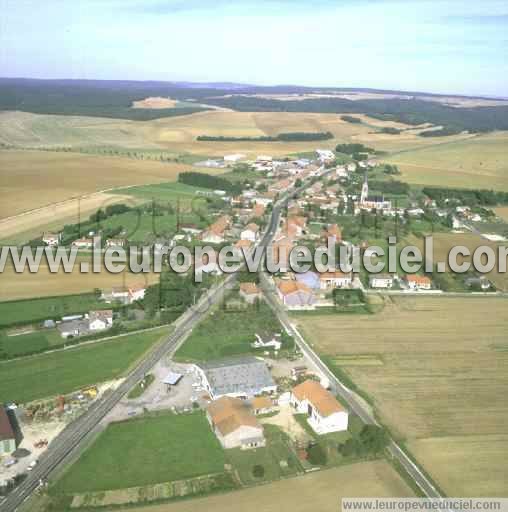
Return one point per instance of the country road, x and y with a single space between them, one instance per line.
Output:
76 434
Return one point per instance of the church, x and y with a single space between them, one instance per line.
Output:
372 202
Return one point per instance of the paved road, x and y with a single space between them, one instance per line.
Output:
357 406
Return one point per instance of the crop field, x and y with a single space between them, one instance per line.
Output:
443 242
32 179
178 134
146 451
502 211
43 283
479 162
321 491
62 372
31 224
441 385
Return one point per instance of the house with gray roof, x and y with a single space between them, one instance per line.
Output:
242 377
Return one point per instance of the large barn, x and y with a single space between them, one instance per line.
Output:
241 377
7 436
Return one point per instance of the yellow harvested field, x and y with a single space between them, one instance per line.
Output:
178 134
480 161
31 224
320 491
154 102
31 179
484 456
444 377
502 211
45 284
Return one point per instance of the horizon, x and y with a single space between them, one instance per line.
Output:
445 47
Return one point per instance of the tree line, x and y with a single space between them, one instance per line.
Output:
285 137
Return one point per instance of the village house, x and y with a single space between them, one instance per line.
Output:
280 252
215 233
231 159
7 436
324 412
251 232
330 280
234 424
325 155
209 264
309 278
416 282
51 239
381 281
258 211
240 377
250 292
100 320
124 294
332 232
83 243
295 295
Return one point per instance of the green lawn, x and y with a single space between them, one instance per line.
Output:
144 451
62 372
38 341
270 457
37 310
227 332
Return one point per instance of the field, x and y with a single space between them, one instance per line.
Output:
227 333
441 385
502 212
45 284
146 451
478 162
32 179
37 310
62 372
317 491
178 134
443 242
31 224
21 344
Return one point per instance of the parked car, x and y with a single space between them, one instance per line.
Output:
31 465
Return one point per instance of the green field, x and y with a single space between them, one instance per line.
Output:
19 312
167 192
227 333
146 451
37 341
65 371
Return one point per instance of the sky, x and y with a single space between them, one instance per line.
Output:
442 46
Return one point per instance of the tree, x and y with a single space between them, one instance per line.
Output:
258 471
374 439
317 455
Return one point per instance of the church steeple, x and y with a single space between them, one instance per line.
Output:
365 190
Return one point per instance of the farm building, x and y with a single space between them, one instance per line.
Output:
100 320
7 436
324 413
242 377
234 424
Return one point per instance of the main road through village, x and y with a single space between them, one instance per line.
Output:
75 436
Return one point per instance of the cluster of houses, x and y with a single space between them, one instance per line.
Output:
242 388
81 325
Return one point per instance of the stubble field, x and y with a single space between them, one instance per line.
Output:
480 161
442 384
32 179
321 491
